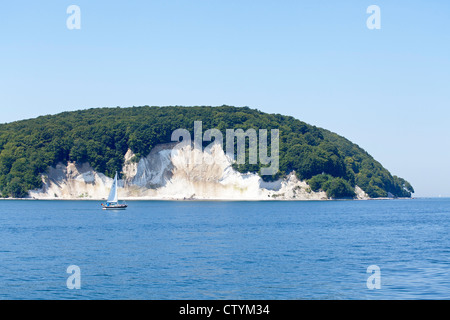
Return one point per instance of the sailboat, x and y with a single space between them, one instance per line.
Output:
112 202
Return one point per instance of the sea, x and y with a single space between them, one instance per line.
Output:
213 250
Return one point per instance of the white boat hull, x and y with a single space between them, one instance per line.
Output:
115 207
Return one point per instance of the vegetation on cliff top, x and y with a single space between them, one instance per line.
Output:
102 136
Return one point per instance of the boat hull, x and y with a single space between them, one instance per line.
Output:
115 207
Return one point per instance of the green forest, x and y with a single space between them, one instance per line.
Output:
102 136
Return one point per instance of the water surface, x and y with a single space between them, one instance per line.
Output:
226 250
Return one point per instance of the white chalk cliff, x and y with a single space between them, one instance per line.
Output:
168 173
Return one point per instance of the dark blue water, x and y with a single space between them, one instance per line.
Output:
226 250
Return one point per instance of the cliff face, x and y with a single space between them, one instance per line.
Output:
173 174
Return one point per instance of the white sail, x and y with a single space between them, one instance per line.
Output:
113 194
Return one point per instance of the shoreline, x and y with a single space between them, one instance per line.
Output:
208 200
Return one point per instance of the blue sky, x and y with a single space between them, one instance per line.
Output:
387 90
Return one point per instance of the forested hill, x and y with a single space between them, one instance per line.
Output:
102 136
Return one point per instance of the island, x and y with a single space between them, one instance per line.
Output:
75 155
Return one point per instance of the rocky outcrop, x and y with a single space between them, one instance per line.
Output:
173 174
